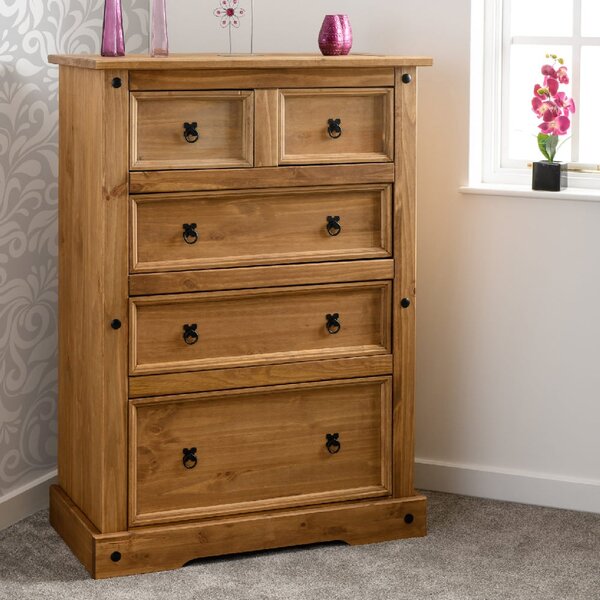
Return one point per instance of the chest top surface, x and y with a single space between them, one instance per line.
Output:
236 61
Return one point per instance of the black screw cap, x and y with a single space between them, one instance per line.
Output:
115 556
406 78
117 83
115 324
408 519
405 303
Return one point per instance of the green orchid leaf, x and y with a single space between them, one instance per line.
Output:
541 139
551 145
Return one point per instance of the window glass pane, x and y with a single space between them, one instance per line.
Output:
587 105
525 71
590 22
547 18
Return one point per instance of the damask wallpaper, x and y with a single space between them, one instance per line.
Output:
29 31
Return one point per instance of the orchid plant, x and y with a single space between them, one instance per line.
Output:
552 106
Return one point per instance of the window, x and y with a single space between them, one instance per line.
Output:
515 36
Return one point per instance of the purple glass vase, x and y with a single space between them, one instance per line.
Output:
159 40
113 39
335 37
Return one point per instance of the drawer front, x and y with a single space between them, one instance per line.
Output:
336 126
220 453
251 327
219 130
260 228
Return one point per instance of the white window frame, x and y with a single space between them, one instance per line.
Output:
490 64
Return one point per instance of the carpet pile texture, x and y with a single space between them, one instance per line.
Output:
476 550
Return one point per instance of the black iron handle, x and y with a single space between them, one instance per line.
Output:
334 128
190 235
190 132
333 323
189 460
333 226
333 444
190 335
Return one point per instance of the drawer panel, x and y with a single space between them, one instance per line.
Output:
365 132
223 135
263 326
259 449
227 229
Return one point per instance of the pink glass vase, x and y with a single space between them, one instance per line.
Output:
159 40
335 37
113 39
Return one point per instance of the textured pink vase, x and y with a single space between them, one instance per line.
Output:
113 39
159 40
335 37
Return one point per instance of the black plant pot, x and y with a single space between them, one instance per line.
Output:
549 176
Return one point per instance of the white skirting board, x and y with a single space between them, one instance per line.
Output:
511 486
26 500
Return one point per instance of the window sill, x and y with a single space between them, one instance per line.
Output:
524 191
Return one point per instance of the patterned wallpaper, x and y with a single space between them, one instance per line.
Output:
29 31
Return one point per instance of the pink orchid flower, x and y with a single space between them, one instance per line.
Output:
546 110
562 76
552 84
562 101
558 126
548 71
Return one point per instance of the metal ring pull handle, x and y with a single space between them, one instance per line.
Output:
190 335
334 128
189 460
190 132
333 444
190 235
333 323
333 226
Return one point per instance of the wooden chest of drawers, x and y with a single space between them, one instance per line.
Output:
237 305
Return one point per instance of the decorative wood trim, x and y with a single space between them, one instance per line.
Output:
268 254
305 499
260 277
246 134
266 139
247 377
152 182
74 528
382 347
226 61
405 283
206 79
387 154
164 547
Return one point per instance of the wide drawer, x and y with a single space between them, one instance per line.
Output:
223 229
336 126
192 130
251 327
259 449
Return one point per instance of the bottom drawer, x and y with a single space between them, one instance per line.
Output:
231 452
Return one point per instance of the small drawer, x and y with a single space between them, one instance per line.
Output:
192 130
228 229
219 453
263 326
336 126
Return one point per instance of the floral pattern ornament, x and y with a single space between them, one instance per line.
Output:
230 13
32 29
552 106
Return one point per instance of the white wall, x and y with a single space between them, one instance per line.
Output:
508 381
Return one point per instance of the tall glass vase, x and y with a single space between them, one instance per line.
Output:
159 40
113 39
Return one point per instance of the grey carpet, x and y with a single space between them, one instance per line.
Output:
476 549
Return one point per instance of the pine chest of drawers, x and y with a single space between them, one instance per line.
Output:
237 305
